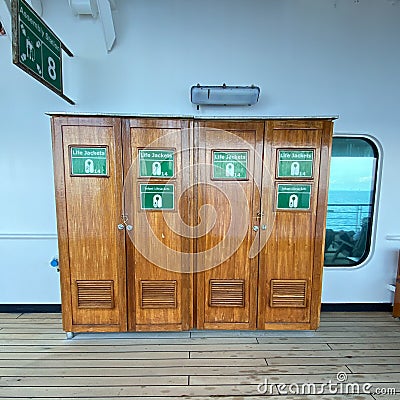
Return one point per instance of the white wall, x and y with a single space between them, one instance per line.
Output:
310 57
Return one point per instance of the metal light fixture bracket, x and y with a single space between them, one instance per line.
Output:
224 95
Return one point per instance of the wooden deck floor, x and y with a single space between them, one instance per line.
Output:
36 361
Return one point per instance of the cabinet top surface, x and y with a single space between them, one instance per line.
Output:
198 117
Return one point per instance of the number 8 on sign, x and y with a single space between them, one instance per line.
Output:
51 68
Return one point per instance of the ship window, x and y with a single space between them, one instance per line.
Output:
351 198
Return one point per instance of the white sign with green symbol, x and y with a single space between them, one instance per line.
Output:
291 197
156 163
295 163
157 197
89 161
230 165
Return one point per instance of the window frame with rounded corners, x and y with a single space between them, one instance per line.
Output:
346 242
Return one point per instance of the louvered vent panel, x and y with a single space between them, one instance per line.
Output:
227 293
95 294
288 293
158 294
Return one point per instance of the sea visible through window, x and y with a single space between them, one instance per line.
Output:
351 199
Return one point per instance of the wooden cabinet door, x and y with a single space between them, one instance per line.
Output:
291 260
228 179
88 180
157 161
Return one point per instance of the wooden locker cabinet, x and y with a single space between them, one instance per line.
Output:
291 261
227 294
91 249
159 298
112 241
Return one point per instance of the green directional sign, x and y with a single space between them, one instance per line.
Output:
292 197
89 161
295 163
229 165
156 163
36 49
157 197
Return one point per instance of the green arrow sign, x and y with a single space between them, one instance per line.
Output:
292 197
230 165
157 197
87 161
36 49
295 163
156 163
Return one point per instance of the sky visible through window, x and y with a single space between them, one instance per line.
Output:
351 173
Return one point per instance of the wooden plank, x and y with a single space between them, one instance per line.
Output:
45 336
116 342
154 355
166 347
363 329
356 319
355 316
264 334
133 335
187 341
329 340
12 323
9 316
40 316
295 378
365 346
239 397
295 353
39 329
88 381
395 386
128 342
60 352
350 324
386 397
352 315
170 392
145 391
351 334
374 368
157 362
333 360
345 321
39 368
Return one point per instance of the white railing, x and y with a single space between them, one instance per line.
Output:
392 237
27 236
